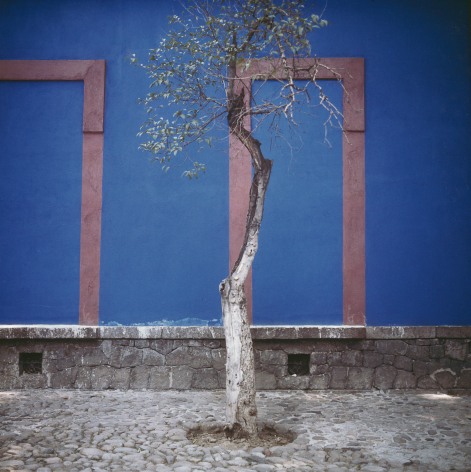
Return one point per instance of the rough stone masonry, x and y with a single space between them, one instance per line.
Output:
287 358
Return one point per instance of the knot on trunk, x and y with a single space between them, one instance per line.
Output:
225 287
235 111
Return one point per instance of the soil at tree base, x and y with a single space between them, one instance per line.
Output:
207 435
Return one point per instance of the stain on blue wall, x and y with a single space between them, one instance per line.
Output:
164 245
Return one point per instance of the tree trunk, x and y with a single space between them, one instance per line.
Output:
241 410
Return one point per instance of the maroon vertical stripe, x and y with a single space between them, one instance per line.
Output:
351 72
92 73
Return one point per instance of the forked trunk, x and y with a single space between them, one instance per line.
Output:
241 410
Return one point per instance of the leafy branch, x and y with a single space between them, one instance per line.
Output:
193 70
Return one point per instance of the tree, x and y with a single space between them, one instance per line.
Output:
197 72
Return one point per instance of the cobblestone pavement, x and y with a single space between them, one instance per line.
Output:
63 430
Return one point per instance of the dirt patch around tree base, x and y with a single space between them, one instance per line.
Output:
209 435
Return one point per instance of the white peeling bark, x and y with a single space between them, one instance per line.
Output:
241 410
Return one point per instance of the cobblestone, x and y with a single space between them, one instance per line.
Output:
65 430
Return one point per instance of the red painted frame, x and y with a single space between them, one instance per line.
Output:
92 73
351 72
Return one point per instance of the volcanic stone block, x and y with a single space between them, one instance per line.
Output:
121 378
437 352
265 381
403 363
101 377
8 382
327 346
391 346
339 378
319 382
130 357
93 357
196 357
388 359
159 378
34 380
181 377
122 342
60 364
418 352
293 382
219 358
139 377
107 347
115 356
420 368
352 358
464 380
445 378
372 359
319 369
360 378
455 349
405 380
151 357
335 359
65 378
9 369
55 353
272 357
360 345
222 378
206 379
427 383
83 380
318 358
8 355
384 377
164 346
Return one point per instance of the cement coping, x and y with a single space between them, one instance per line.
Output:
78 332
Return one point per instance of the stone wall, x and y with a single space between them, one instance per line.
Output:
352 358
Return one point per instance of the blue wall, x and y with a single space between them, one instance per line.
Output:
418 155
40 198
297 275
164 239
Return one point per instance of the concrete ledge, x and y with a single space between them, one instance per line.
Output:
111 332
211 332
400 332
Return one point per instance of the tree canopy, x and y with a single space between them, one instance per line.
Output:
192 72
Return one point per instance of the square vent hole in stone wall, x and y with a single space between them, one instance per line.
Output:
31 363
298 364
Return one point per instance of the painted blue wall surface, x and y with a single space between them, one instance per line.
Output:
40 195
165 240
297 274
